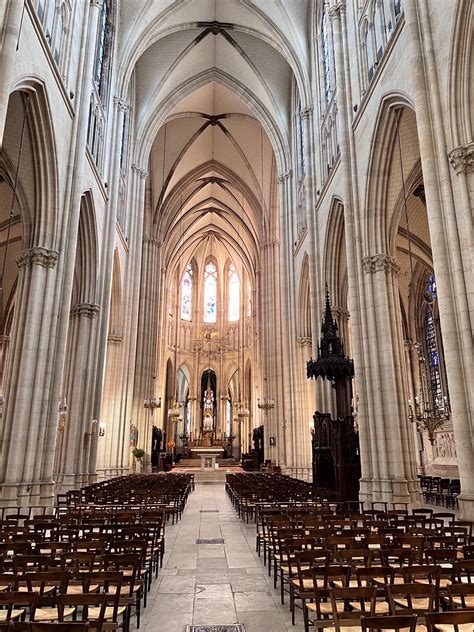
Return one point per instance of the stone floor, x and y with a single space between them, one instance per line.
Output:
214 583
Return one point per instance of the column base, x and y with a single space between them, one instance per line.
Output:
466 507
32 495
302 473
390 491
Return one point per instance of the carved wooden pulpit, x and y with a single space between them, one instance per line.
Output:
335 442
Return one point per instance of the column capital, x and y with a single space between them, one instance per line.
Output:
96 3
334 12
147 239
380 263
304 341
89 310
37 256
142 172
114 339
283 177
307 112
271 242
461 159
4 339
341 313
121 104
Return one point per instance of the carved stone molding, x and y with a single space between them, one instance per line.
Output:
114 339
462 159
121 104
305 341
271 242
147 239
408 344
37 256
143 173
419 192
341 313
306 112
380 263
334 12
89 310
283 177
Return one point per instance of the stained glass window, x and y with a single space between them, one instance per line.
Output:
210 293
187 293
431 293
434 371
234 294
326 42
103 49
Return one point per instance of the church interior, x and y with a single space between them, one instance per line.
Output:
236 246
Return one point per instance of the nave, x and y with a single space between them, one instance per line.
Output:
212 584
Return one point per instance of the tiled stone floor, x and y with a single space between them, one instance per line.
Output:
214 583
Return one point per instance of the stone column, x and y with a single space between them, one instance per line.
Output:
393 451
67 236
352 225
303 447
74 459
145 378
462 162
114 433
11 31
28 410
445 231
4 349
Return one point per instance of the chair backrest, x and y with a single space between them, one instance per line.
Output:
405 623
348 615
70 626
411 598
457 594
454 619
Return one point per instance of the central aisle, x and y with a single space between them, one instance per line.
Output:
208 584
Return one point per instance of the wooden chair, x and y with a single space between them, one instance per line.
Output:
69 626
87 607
402 623
458 621
349 605
14 605
411 599
460 596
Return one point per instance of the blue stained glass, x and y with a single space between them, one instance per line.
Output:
434 371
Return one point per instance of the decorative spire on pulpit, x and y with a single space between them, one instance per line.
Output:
332 362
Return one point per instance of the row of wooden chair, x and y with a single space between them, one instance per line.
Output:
89 561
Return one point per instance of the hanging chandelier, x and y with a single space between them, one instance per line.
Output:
427 417
266 403
429 414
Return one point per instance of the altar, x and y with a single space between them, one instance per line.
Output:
198 452
208 461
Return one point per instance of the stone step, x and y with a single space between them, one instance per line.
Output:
197 462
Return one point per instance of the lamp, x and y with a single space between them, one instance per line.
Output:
266 403
420 411
427 413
